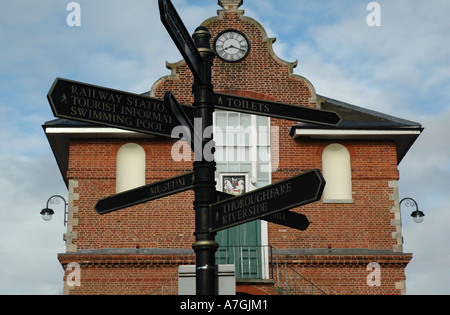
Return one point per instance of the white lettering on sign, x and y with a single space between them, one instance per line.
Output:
115 108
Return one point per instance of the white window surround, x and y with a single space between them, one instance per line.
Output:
130 167
337 172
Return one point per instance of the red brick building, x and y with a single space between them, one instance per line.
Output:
354 242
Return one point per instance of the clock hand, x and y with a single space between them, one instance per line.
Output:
232 46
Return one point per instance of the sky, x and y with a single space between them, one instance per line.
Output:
400 68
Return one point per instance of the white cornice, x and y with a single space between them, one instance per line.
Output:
93 131
352 134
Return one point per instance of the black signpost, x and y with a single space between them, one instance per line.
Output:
108 107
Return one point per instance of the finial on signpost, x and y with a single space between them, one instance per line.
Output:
230 4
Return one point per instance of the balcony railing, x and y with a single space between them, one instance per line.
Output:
290 282
251 262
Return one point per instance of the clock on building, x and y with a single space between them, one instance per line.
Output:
232 46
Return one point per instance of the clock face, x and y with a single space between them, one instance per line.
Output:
232 46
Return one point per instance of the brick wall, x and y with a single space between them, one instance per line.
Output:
343 274
169 223
366 223
124 274
165 223
261 72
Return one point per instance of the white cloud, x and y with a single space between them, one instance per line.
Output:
402 58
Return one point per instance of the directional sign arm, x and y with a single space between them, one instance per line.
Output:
185 121
176 108
287 218
179 34
294 192
108 107
290 219
275 109
146 193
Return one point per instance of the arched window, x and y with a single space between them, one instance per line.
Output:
130 167
337 173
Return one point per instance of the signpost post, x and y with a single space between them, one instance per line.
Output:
200 57
108 107
205 246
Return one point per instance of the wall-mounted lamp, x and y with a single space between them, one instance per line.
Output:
417 215
47 213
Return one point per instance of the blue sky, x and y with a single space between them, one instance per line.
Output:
400 68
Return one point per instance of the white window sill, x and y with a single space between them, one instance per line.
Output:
346 201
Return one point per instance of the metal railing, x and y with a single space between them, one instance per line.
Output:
169 287
290 282
251 262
